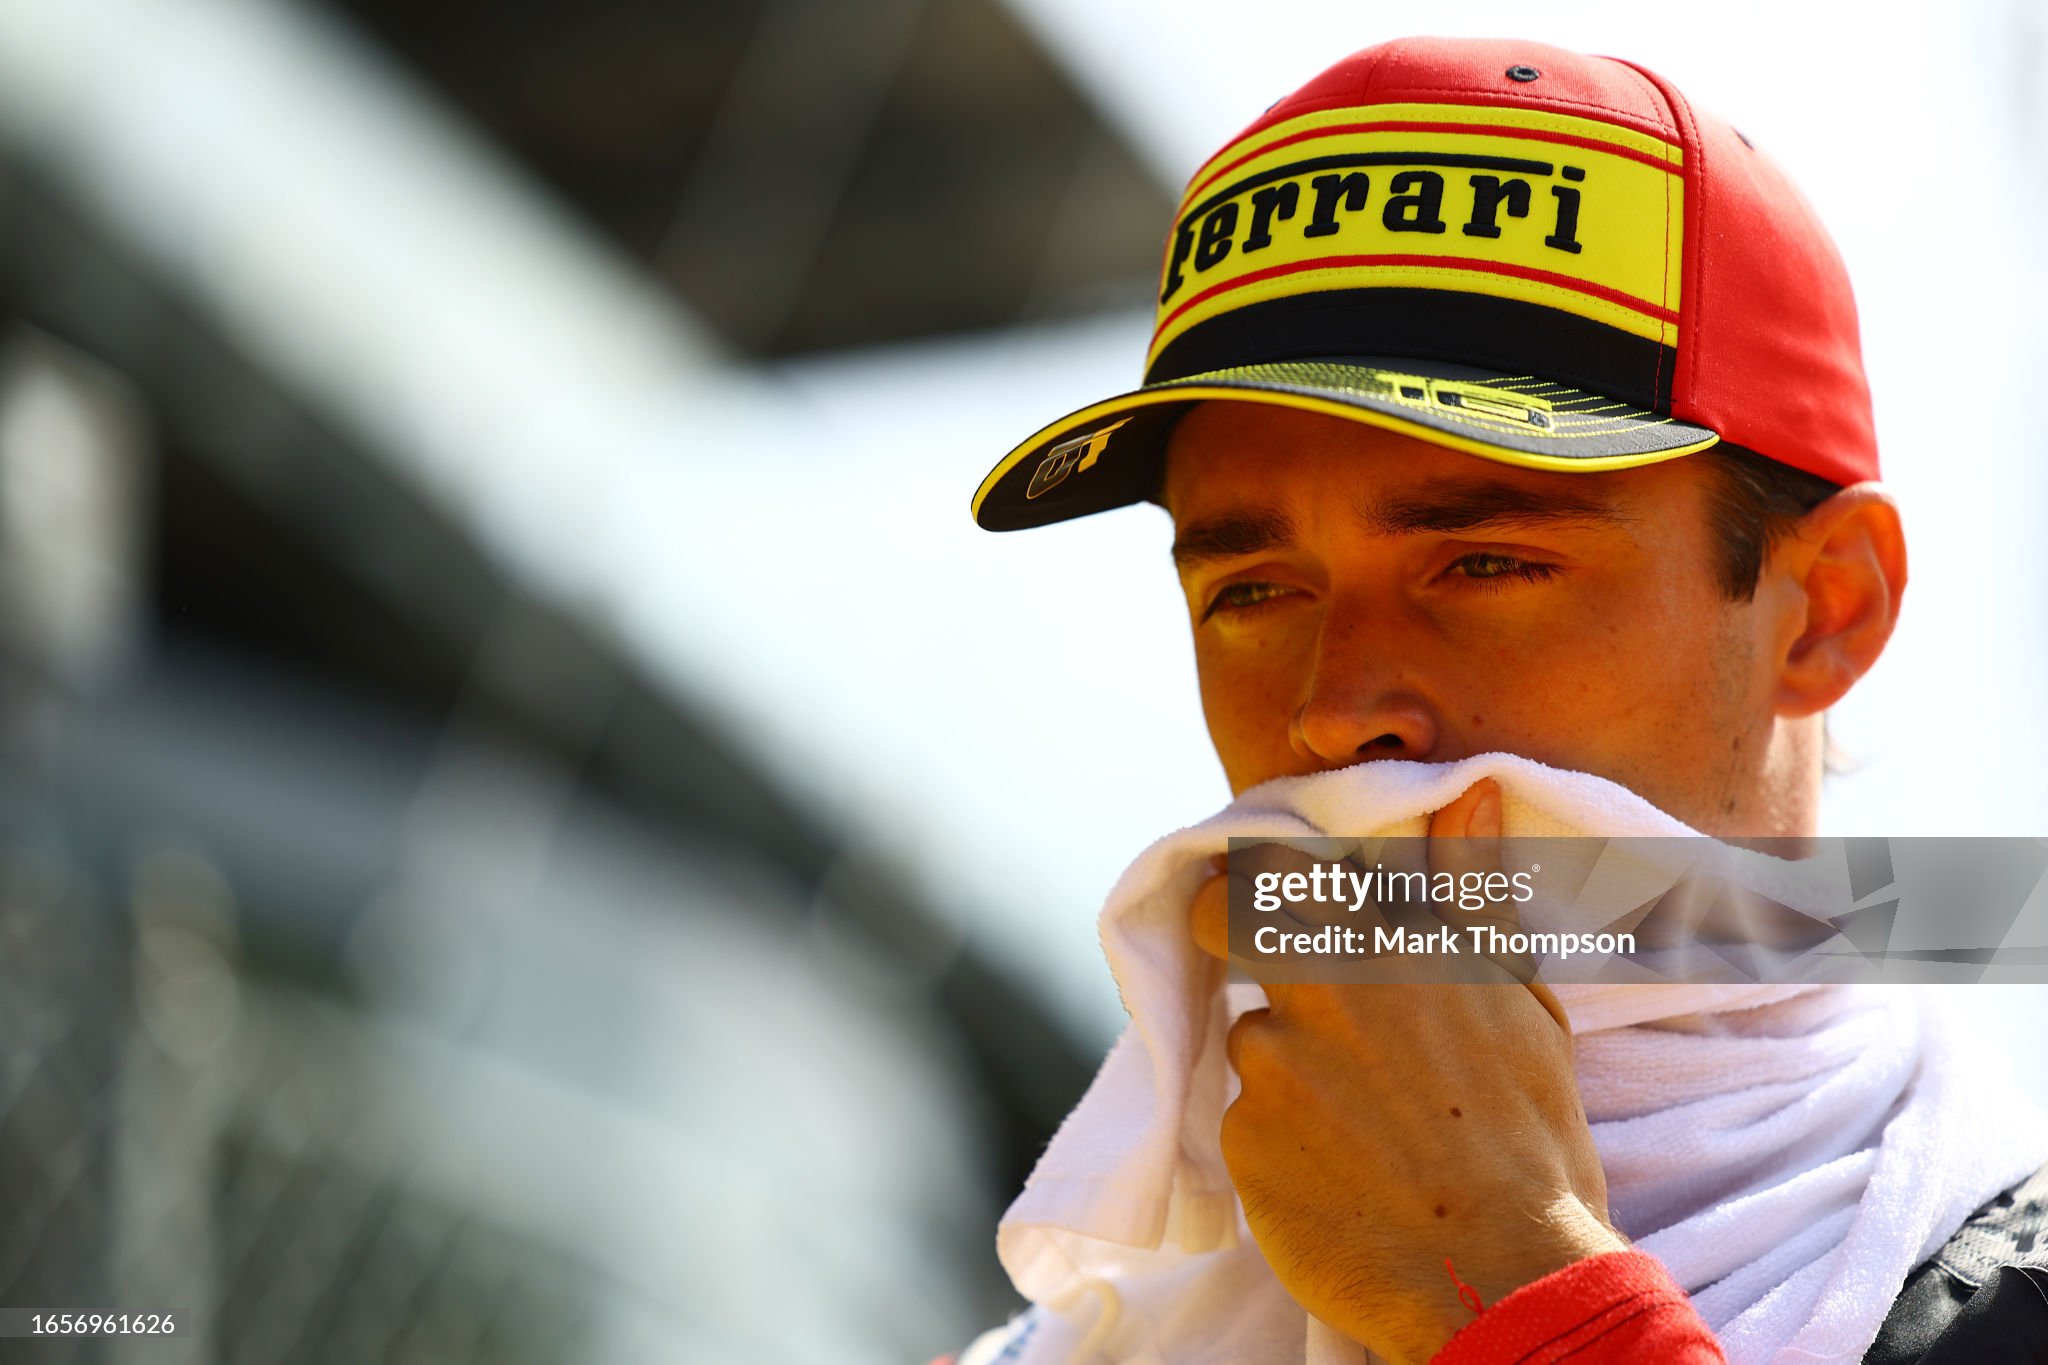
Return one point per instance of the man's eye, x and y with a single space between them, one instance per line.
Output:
1494 570
1237 598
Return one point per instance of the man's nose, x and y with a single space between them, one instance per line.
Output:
1358 708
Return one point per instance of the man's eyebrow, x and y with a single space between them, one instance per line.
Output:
1463 506
1442 508
1230 534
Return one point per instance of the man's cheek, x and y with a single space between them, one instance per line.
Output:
1248 727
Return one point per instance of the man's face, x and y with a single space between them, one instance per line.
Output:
1356 594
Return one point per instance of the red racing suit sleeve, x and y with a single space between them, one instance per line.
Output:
1620 1306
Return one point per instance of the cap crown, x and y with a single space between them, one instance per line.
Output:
1518 207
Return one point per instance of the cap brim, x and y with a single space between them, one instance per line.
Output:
1109 453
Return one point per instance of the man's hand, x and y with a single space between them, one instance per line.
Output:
1383 1128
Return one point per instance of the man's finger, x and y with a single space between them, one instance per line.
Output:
1465 835
1246 876
1548 999
1280 869
1233 1041
1464 840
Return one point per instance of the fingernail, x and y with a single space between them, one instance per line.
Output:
1485 822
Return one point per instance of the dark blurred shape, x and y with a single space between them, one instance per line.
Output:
807 174
310 810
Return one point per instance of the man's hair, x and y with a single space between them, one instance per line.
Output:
1752 503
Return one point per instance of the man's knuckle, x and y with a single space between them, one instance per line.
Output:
1239 1131
1252 1046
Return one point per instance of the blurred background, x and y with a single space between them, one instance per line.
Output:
532 826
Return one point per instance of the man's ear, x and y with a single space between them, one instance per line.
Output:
1842 572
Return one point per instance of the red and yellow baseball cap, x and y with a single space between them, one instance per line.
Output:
1535 256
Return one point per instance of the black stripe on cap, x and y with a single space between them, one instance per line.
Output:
1431 324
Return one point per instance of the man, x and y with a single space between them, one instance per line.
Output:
1503 401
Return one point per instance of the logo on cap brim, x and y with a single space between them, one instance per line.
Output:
1069 457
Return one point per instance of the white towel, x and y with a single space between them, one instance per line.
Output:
1788 1152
